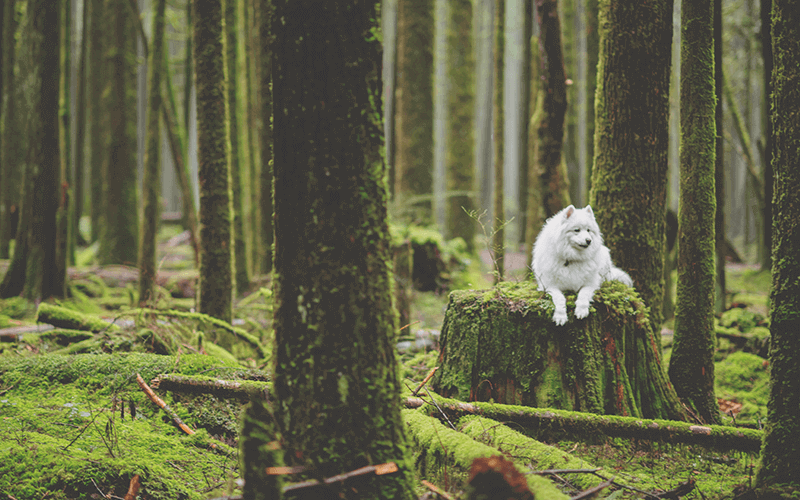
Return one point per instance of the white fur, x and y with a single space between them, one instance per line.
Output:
569 255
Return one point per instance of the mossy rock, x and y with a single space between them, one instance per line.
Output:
501 345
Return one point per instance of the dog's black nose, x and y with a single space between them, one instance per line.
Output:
588 241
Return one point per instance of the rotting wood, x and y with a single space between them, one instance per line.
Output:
582 425
61 317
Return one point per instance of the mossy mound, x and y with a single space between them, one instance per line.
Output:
501 345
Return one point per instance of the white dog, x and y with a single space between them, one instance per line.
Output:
569 255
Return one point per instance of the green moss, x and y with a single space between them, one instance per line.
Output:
742 319
437 446
744 378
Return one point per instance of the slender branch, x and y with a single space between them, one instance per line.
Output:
425 381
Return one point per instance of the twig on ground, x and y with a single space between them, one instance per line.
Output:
425 381
437 490
593 491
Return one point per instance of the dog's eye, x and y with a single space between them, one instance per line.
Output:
577 230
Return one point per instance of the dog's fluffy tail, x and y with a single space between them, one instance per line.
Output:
617 274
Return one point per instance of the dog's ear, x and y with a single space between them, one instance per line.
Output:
569 211
589 210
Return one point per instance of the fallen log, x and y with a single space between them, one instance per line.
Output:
559 423
239 389
61 317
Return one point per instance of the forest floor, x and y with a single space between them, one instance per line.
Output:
75 423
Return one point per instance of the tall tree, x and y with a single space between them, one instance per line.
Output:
120 216
81 127
267 39
413 172
498 116
551 111
460 156
629 176
719 167
236 164
44 275
151 182
11 140
779 464
335 376
767 56
216 244
98 82
691 367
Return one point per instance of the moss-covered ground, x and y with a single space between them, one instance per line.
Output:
74 423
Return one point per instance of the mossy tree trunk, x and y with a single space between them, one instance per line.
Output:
526 104
629 176
236 164
460 156
335 378
44 275
265 75
551 112
12 139
779 464
65 238
719 168
216 244
768 59
592 26
691 367
120 226
498 209
413 162
80 130
151 182
534 208
502 345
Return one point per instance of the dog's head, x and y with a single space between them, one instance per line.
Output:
580 229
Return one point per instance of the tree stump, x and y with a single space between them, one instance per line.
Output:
501 345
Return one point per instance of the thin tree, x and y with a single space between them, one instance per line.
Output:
629 175
120 216
81 126
691 367
242 276
413 172
335 380
267 39
98 81
11 140
216 244
719 167
151 182
460 156
779 464
768 59
498 209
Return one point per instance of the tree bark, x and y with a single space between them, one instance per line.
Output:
719 167
691 367
216 243
119 232
550 121
151 182
267 229
608 363
336 384
413 172
12 139
98 82
498 209
629 176
242 276
779 464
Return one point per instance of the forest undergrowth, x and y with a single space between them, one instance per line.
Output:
75 423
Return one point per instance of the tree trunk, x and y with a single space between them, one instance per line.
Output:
12 139
80 129
526 105
216 243
719 167
460 157
629 176
151 182
498 210
691 367
779 464
592 27
242 277
98 111
267 229
550 124
502 345
413 174
118 240
44 277
767 55
335 377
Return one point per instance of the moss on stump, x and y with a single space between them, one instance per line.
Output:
501 345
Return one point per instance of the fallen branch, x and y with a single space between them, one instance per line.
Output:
587 425
164 406
379 470
593 491
676 493
240 389
61 317
436 490
425 381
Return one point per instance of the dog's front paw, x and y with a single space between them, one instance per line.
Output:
560 317
581 310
